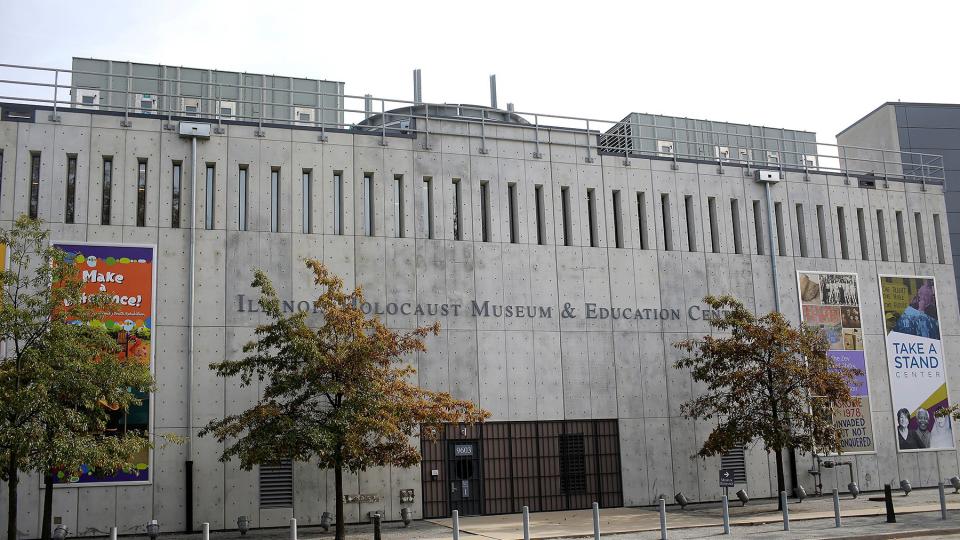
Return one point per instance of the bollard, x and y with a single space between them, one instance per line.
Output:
726 515
113 533
888 500
943 501
456 525
786 511
836 508
596 521
206 531
526 523
293 528
376 526
663 519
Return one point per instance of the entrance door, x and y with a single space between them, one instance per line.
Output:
463 466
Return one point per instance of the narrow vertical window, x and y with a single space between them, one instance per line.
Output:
712 215
735 220
398 206
141 193
338 202
541 221
642 219
513 212
368 205
862 229
592 216
691 222
938 235
565 213
428 205
921 240
274 200
34 185
665 214
175 195
842 229
801 231
1 173
758 226
617 219
822 229
882 234
778 221
901 236
70 210
242 198
210 198
307 178
457 214
106 192
485 211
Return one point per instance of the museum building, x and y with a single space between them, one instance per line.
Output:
562 257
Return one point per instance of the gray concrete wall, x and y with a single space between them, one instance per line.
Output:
519 369
865 140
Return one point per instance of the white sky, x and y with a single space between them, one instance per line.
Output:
811 65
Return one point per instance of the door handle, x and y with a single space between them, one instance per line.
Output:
453 487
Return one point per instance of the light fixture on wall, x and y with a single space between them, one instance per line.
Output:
681 500
906 487
801 493
60 532
744 499
955 482
854 489
325 520
405 516
243 524
153 529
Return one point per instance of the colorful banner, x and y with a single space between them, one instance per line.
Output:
831 301
127 274
915 360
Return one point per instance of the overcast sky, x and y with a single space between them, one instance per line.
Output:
808 65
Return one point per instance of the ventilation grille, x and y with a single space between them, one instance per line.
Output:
736 461
573 468
276 485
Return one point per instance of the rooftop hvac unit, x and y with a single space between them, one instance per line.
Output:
191 106
722 152
145 103
810 161
87 98
665 148
773 157
226 110
744 154
304 116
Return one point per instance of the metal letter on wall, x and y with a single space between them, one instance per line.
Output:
128 274
831 301
915 361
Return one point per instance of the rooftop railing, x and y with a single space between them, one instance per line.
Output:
387 117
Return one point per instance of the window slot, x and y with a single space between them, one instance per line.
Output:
211 198
617 220
592 216
34 184
242 198
758 226
485 211
691 222
398 206
735 220
901 237
642 219
71 205
801 230
428 205
457 210
513 212
938 234
882 233
274 199
714 233
141 193
176 194
778 221
369 207
565 213
541 221
862 228
106 192
338 202
842 229
307 179
665 215
822 229
921 240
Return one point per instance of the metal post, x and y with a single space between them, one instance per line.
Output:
836 507
943 501
206 531
113 533
536 137
216 105
383 123
726 515
263 89
426 126
293 528
845 165
663 519
376 526
526 523
786 511
56 87
323 111
456 525
596 521
888 500
483 132
126 96
589 158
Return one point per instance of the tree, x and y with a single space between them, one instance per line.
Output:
60 377
764 380
340 393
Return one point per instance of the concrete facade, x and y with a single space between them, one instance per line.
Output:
543 368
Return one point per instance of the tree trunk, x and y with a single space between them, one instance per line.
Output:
338 480
47 521
12 481
780 486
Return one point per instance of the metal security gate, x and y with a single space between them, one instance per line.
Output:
557 465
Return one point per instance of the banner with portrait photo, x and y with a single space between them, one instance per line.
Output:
127 275
915 361
831 301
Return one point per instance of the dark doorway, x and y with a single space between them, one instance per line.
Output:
463 466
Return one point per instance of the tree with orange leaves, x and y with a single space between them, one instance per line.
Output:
764 380
339 393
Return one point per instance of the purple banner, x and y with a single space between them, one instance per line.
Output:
853 360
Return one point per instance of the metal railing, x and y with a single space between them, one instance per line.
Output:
398 117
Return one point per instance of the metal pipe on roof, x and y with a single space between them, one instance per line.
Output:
417 87
493 91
